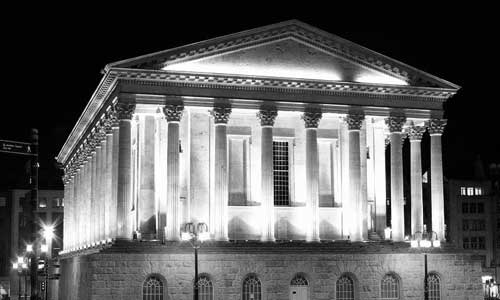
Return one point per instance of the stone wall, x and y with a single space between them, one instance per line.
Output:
113 274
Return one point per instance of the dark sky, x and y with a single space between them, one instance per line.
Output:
52 61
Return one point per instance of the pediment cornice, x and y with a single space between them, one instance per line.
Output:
294 29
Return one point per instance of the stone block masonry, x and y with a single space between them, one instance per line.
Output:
119 272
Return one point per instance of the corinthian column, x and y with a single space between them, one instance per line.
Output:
124 194
395 125
173 114
354 123
147 216
267 117
436 128
311 121
221 116
417 213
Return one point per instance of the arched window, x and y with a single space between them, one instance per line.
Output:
389 287
345 288
299 280
299 287
152 289
205 288
434 286
252 288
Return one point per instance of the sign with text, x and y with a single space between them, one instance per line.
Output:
16 147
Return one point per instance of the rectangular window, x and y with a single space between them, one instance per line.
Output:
470 191
465 208
465 225
239 175
473 242
326 175
42 202
466 243
481 243
478 191
463 191
472 208
281 173
480 208
3 201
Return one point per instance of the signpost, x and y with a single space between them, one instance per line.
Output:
31 150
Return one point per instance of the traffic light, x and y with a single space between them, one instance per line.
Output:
41 267
42 286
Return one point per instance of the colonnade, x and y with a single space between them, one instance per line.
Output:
99 195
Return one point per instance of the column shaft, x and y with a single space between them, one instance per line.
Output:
363 196
124 194
312 182
113 211
436 129
94 183
221 183
344 162
267 183
355 213
417 213
101 168
397 194
162 173
380 184
108 186
173 217
147 217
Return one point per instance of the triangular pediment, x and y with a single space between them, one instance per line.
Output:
285 50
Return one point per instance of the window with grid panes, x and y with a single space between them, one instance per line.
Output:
281 173
344 288
434 286
152 289
389 287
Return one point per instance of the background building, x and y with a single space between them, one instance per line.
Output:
14 203
276 139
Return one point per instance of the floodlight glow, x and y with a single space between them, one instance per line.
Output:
29 248
255 70
24 266
14 265
203 236
425 243
20 260
436 243
185 236
379 79
414 244
44 248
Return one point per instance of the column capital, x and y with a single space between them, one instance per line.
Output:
415 133
395 123
220 114
436 126
124 110
354 121
311 118
267 116
173 112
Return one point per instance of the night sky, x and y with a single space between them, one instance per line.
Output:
52 62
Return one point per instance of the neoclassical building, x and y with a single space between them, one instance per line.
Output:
276 139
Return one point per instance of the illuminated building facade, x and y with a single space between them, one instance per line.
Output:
276 138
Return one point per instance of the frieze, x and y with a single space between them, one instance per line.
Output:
311 119
395 123
267 116
354 121
146 77
436 126
220 114
173 113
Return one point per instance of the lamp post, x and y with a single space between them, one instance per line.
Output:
195 234
46 248
422 241
21 266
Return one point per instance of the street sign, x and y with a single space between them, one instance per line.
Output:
16 147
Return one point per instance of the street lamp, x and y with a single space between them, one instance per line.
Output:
425 240
195 234
21 266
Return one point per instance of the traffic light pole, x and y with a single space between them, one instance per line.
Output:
33 204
